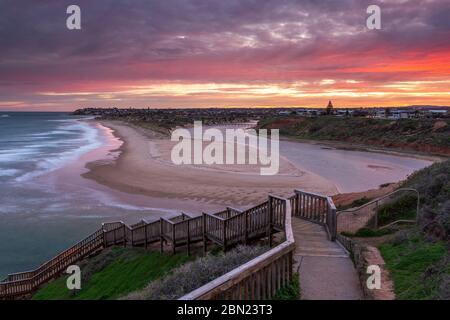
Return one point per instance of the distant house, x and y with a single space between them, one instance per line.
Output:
344 112
401 114
380 114
438 112
306 112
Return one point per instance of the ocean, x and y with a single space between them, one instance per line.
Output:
45 205
32 144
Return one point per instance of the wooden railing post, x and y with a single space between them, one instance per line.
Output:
246 228
204 234
270 212
145 235
331 219
105 242
333 211
188 238
173 238
161 235
225 235
124 236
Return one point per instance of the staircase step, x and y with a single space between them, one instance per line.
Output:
313 250
306 235
311 243
323 255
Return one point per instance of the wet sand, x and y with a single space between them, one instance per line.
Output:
144 168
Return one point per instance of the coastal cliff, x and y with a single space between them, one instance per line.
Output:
431 136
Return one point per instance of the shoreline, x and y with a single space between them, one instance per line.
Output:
142 168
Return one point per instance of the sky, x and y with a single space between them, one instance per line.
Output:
227 53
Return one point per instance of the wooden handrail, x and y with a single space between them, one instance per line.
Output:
240 277
316 208
351 210
236 226
372 214
214 216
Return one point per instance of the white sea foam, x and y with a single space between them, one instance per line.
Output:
8 156
48 134
89 141
8 172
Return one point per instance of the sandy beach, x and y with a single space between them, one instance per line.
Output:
144 168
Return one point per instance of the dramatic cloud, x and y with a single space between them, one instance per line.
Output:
190 53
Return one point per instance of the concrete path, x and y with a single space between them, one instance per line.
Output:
326 271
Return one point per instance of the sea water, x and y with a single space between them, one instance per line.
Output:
45 204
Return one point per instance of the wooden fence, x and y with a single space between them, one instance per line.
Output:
226 228
315 208
23 283
263 276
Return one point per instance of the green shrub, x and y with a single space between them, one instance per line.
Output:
291 291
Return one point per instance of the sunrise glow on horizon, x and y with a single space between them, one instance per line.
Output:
178 53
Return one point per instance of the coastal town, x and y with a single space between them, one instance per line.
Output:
212 116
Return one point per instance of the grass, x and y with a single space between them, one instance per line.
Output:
417 267
291 292
112 274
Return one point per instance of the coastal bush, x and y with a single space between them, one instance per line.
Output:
193 275
433 184
404 207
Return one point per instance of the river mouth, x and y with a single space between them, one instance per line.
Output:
351 170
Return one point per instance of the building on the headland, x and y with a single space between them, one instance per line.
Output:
329 108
